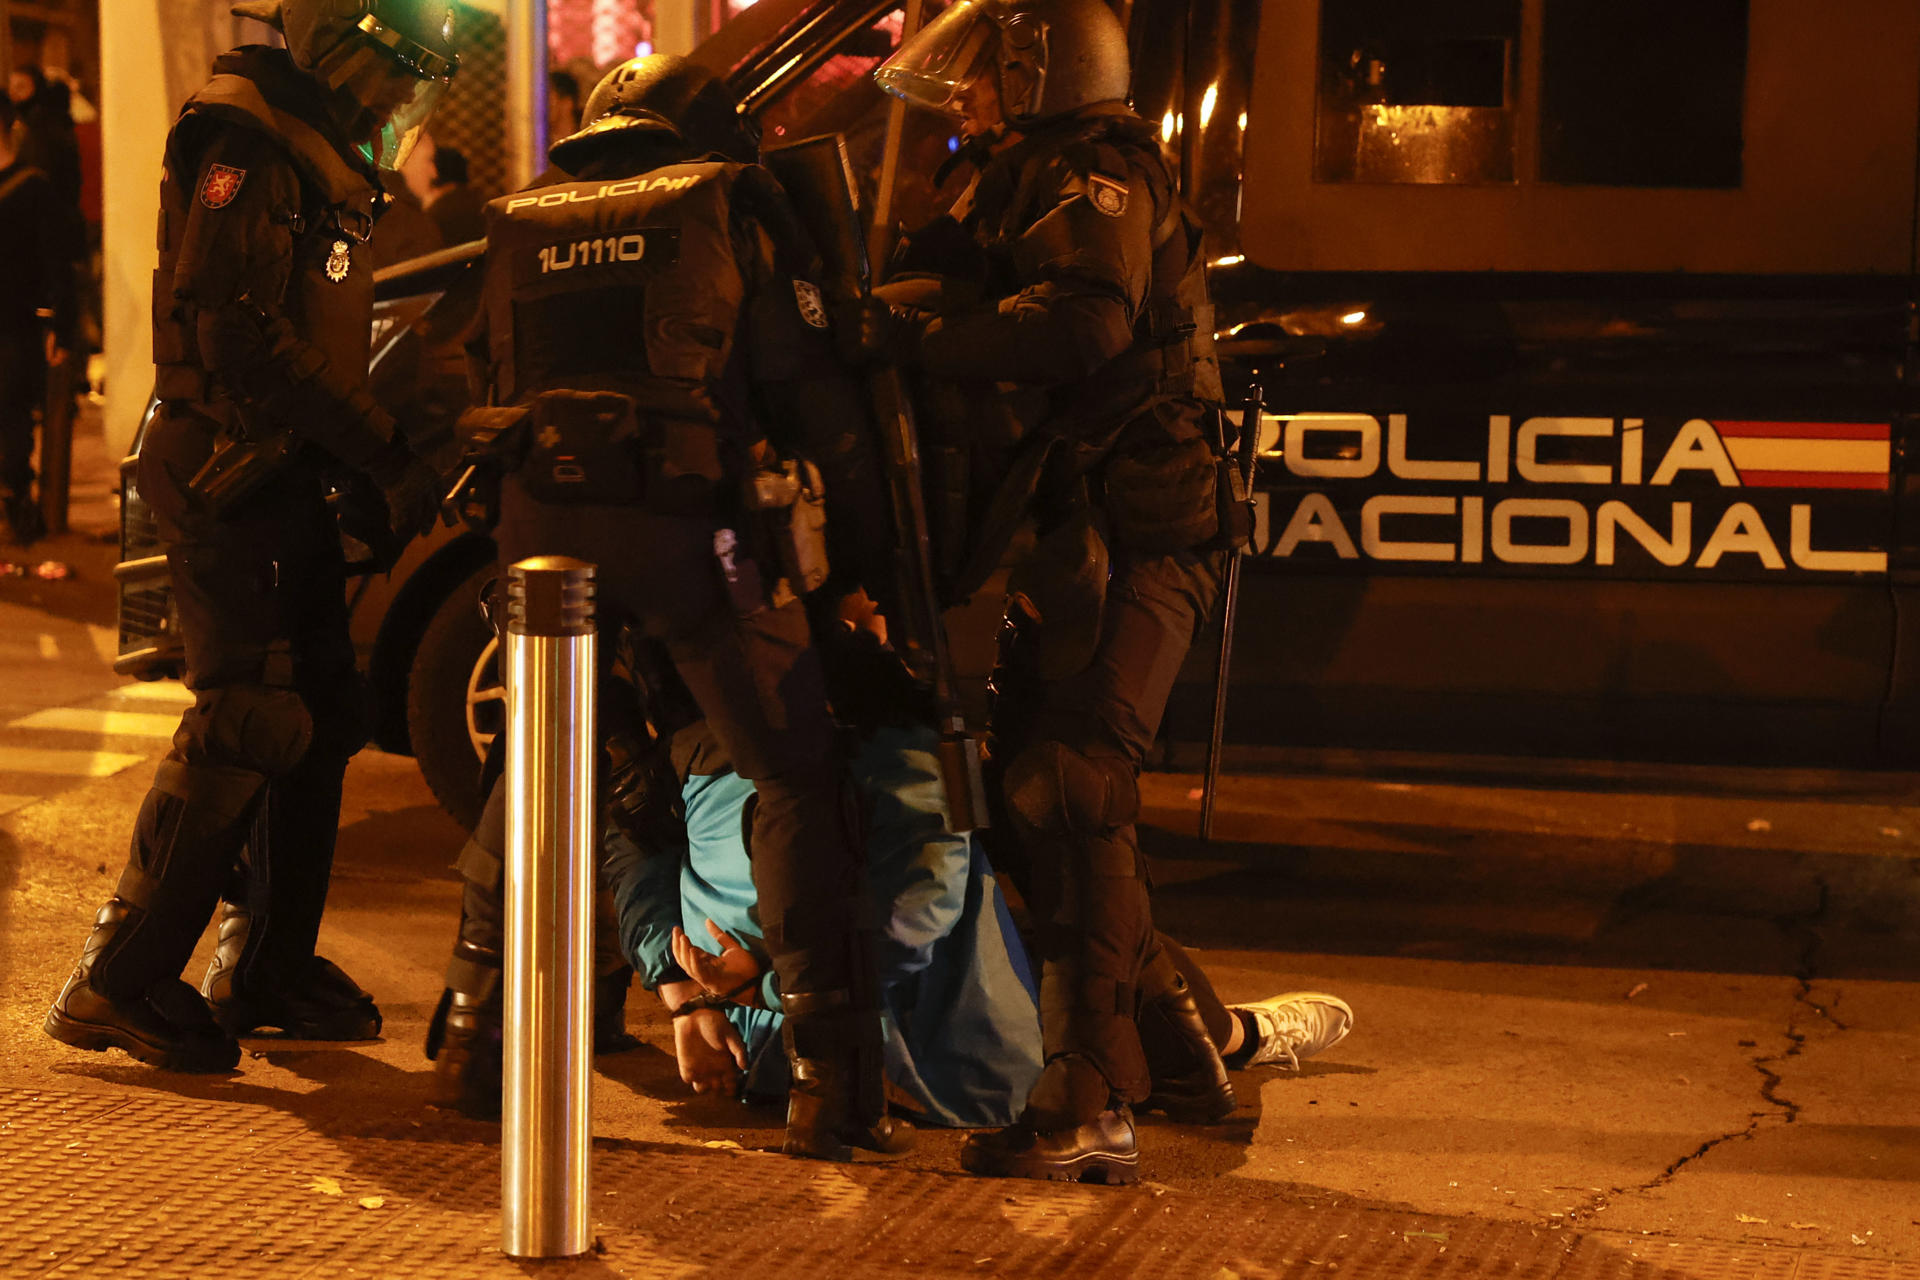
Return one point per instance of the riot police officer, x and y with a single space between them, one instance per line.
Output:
1071 270
262 314
649 322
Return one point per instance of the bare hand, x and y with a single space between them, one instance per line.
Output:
733 968
711 1055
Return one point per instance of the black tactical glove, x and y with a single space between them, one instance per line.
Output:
414 491
867 331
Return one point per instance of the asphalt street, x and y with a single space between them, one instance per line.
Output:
1675 1011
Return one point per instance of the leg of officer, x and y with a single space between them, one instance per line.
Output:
21 370
266 972
248 726
1073 796
753 670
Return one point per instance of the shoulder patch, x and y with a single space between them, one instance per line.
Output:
1109 196
221 185
813 309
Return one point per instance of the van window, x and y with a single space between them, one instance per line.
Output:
1642 93
1747 138
1412 91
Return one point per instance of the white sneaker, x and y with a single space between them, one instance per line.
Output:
1296 1025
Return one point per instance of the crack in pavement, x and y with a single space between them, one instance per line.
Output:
1782 1110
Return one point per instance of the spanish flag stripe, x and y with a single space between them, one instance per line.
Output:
1814 479
1776 454
1803 430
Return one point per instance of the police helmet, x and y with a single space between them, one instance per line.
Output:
1047 57
666 97
387 62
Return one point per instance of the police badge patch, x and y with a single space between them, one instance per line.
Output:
1108 196
340 261
812 309
221 185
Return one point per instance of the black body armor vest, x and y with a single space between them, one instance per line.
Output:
631 285
328 299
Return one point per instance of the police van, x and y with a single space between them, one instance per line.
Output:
1585 338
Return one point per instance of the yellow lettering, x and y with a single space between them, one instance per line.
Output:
1386 504
1417 468
1365 460
1315 520
1740 531
1697 448
1800 547
1499 428
1560 472
1618 515
1632 441
1572 551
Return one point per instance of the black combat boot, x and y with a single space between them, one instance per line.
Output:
1100 1151
838 1098
466 1045
166 1024
319 1002
1189 1080
1073 1130
610 1033
466 1038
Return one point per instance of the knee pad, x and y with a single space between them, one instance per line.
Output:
256 728
1059 791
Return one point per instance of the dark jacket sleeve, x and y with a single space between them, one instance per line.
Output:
231 278
51 249
1082 269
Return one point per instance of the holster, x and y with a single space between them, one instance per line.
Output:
789 498
237 468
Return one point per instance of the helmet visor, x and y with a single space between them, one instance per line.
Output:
944 58
390 147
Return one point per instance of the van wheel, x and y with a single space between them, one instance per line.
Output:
456 703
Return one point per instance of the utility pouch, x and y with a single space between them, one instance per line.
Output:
790 500
1235 504
584 447
493 436
1165 498
237 468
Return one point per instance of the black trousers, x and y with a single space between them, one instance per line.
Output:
247 801
758 682
23 369
1083 875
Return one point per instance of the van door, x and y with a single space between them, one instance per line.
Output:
1603 455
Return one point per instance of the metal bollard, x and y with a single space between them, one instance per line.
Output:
546 1128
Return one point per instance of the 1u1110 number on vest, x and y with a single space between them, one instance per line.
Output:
592 253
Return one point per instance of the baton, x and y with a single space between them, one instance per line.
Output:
1247 450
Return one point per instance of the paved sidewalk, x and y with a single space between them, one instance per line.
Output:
142 1184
